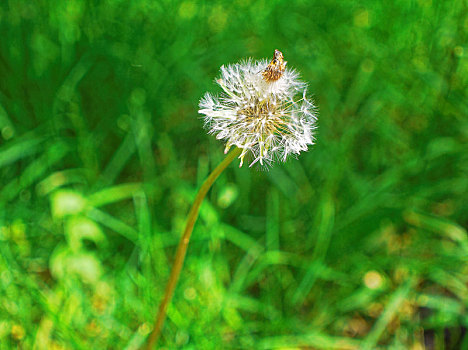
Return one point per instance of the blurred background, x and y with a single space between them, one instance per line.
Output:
361 243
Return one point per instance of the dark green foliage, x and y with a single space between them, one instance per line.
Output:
361 243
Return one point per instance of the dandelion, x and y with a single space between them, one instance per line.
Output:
263 110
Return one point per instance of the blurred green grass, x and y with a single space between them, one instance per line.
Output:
361 243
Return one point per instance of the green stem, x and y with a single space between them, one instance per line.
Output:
183 245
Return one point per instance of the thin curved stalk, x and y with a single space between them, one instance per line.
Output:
183 245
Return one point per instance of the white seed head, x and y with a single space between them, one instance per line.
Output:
264 112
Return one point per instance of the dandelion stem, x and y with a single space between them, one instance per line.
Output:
183 245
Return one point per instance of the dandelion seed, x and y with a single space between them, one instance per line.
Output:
263 109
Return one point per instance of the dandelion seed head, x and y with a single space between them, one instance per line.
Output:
263 109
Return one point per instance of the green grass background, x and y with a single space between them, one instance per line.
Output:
360 243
